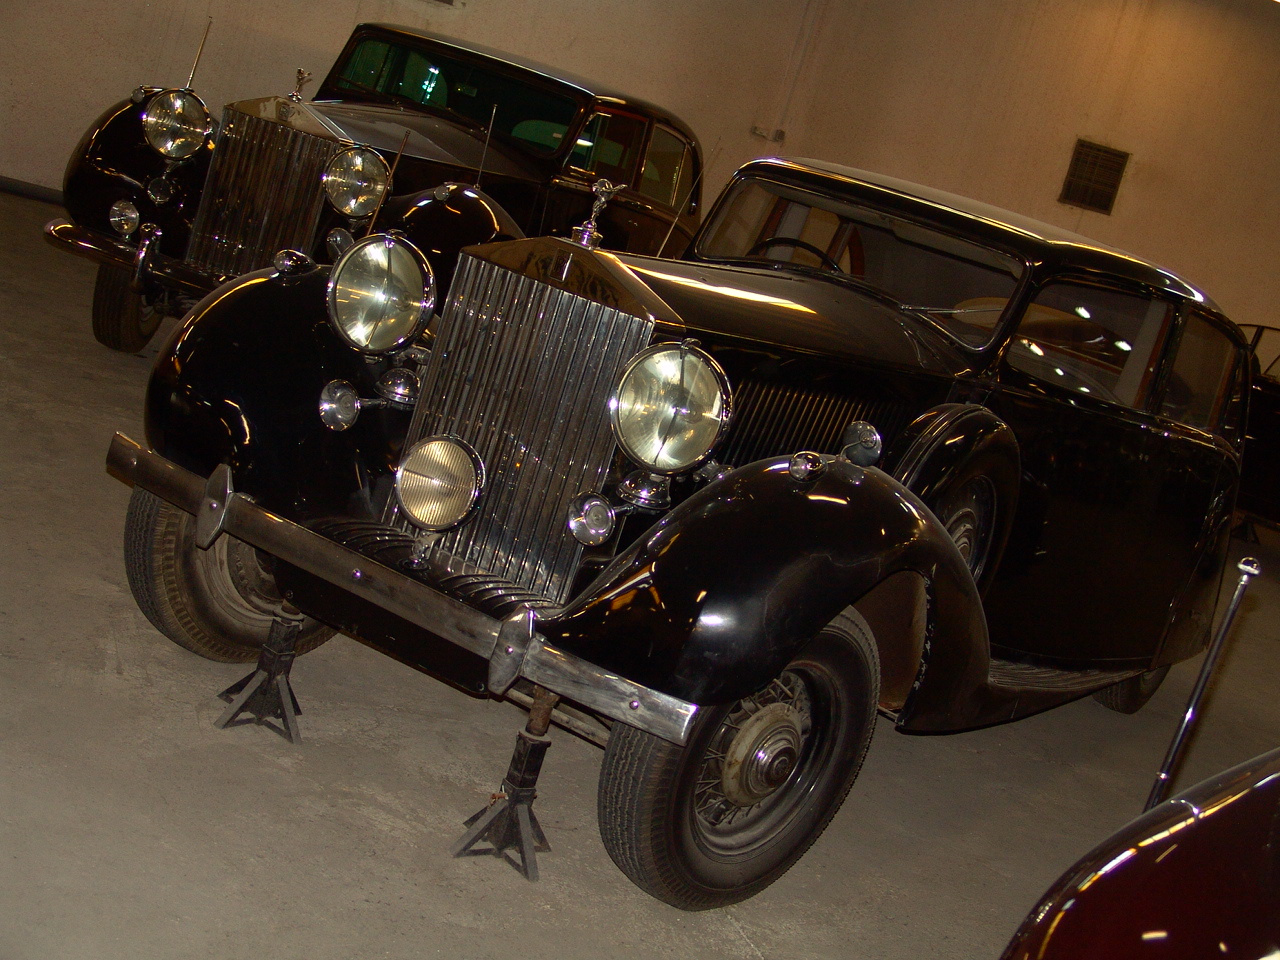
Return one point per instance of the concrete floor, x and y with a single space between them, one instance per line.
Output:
131 828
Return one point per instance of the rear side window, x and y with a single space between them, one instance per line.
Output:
609 146
667 174
1203 382
1093 340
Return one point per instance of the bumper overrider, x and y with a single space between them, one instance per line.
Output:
512 646
141 258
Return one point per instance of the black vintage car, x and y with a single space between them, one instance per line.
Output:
170 203
1260 476
868 448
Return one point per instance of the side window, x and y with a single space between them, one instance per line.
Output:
609 146
668 171
1092 340
1203 382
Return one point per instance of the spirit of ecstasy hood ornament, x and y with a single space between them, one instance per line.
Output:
303 76
586 234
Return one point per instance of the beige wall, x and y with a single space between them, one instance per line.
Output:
981 97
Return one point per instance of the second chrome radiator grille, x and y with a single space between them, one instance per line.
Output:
263 194
523 371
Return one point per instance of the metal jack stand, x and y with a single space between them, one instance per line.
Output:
1249 568
508 822
266 693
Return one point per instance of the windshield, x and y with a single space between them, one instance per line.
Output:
533 117
958 285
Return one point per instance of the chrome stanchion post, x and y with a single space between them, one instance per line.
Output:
1249 568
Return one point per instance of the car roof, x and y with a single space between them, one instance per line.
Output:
1033 239
582 85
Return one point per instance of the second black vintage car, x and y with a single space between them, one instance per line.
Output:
484 146
870 448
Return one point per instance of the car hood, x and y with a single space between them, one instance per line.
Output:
432 138
802 311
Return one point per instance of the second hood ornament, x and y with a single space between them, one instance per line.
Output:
586 233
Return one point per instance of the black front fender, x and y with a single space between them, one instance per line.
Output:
720 595
441 221
239 383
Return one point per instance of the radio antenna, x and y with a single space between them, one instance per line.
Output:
192 79
484 155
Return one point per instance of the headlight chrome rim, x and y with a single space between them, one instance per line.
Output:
355 181
703 422
432 490
375 305
176 123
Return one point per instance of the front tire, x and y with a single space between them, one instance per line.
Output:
121 320
718 820
218 602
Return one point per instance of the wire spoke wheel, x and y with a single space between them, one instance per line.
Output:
718 820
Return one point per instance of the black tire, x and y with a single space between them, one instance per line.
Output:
121 320
218 602
969 514
1130 696
710 823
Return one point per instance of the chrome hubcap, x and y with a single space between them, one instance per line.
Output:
763 755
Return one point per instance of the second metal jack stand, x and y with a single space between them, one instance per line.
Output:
508 822
266 694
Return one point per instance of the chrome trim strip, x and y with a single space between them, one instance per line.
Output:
563 673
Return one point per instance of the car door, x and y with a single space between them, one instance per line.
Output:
1114 496
1260 480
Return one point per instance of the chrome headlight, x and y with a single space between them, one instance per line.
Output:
438 482
355 181
381 293
176 123
671 406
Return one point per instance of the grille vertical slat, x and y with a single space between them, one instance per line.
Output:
263 194
523 371
773 420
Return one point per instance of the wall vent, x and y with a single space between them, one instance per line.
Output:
1093 179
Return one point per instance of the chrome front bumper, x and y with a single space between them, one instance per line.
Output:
147 264
512 647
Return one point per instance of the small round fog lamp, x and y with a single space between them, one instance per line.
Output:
124 218
339 405
591 519
438 482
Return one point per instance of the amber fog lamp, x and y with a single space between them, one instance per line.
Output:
176 123
355 180
438 482
671 407
380 294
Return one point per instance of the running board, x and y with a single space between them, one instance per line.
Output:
1026 676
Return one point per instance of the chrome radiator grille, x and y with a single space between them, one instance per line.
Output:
262 194
523 372
773 421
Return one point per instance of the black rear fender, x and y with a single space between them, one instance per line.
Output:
723 592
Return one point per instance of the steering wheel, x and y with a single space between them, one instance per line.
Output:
794 242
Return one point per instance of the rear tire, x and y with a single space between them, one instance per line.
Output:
718 820
121 320
1130 696
218 602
